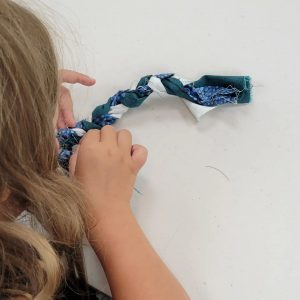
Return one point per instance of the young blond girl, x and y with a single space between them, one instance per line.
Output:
94 201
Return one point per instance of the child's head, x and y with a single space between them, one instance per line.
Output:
29 175
28 90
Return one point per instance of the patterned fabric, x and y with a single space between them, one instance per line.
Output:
200 97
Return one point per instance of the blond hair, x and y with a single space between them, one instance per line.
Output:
31 264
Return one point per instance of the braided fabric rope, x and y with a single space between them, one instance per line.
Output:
200 97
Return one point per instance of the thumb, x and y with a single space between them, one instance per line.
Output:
139 156
73 160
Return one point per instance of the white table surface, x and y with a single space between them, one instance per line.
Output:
225 239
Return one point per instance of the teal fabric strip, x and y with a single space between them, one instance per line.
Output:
242 83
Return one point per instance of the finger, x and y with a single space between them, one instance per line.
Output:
72 161
61 122
75 77
92 135
66 108
139 156
125 140
68 117
109 135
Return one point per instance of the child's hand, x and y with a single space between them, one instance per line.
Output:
106 163
65 105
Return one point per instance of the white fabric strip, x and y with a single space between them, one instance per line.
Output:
183 81
79 131
156 85
118 111
197 110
